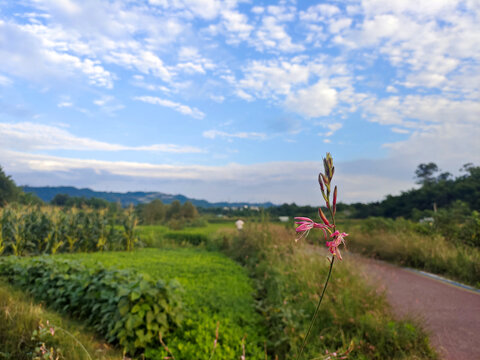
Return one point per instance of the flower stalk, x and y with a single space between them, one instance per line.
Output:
328 227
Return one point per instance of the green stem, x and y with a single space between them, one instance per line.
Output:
316 310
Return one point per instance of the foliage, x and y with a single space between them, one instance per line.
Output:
215 289
419 245
125 307
24 327
81 202
8 190
163 236
440 192
175 214
32 230
287 277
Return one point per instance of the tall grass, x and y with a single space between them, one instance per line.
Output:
289 276
21 336
411 244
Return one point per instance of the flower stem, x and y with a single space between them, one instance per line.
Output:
316 310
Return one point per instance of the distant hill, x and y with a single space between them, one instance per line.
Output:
138 197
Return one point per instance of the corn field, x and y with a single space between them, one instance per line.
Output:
26 230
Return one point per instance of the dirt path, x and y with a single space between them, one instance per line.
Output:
449 313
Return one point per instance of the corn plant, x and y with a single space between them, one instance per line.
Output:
129 234
46 230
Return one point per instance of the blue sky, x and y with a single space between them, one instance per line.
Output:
237 100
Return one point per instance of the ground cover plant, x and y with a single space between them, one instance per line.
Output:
28 330
416 245
215 291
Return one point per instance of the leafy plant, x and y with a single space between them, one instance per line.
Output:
126 307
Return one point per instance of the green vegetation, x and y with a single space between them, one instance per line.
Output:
32 230
175 215
123 306
215 289
288 276
163 236
439 192
68 201
421 246
24 327
10 192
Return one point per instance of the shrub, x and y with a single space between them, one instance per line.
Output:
125 307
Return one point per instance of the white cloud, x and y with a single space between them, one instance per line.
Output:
212 134
25 55
183 109
333 128
145 61
5 81
271 181
400 131
103 100
273 36
218 98
27 136
65 104
417 111
314 101
236 24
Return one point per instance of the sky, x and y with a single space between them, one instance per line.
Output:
238 100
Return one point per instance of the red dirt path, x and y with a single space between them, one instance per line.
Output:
450 314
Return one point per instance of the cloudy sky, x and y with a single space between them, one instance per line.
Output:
238 100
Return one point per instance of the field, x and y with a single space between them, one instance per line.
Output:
215 289
249 293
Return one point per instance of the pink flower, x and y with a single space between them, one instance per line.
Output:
305 225
338 238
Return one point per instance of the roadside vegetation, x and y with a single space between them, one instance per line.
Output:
420 246
26 332
288 277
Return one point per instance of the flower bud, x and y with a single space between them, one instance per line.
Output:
323 217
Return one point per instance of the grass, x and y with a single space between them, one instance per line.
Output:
161 236
20 318
215 290
353 317
411 244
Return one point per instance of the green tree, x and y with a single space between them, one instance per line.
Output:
174 210
60 199
189 211
8 190
153 212
424 173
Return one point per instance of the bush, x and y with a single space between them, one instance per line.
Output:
191 238
125 307
288 274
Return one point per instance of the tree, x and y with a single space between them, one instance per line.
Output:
424 173
153 212
189 211
60 199
174 210
8 190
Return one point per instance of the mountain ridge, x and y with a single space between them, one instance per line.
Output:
47 193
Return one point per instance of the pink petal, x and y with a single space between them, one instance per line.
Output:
303 219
